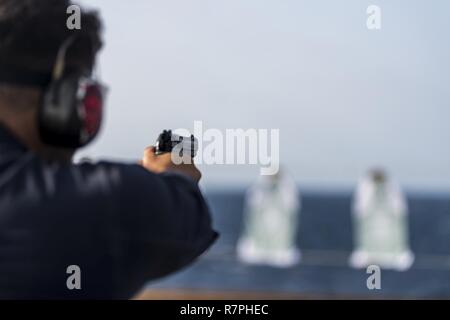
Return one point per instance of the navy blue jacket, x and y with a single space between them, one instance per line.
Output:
121 224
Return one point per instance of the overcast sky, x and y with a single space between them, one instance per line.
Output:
344 98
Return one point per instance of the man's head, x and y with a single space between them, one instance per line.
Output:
31 33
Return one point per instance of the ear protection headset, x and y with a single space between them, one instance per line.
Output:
71 111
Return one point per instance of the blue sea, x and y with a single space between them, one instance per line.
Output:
325 239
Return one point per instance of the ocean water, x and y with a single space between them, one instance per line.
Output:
326 241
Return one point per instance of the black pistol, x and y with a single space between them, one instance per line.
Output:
167 141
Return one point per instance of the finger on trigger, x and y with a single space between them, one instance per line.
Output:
149 152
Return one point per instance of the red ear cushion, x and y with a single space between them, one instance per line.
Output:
93 107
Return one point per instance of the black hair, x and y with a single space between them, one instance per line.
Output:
32 31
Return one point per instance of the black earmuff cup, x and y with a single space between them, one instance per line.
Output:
59 121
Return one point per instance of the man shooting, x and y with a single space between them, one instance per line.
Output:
122 225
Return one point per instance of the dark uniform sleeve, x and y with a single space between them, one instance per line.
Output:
163 225
122 225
